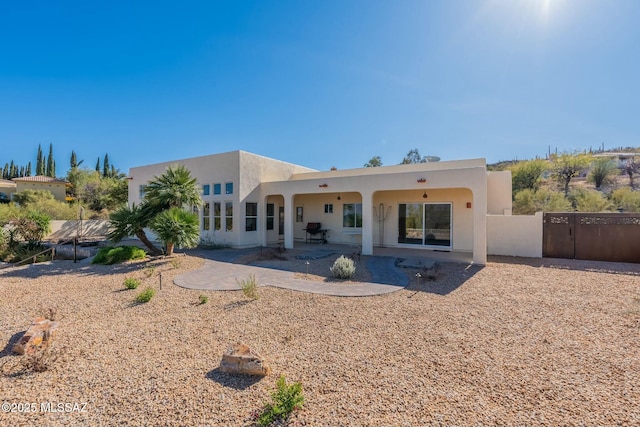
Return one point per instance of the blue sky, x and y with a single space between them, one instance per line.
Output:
318 83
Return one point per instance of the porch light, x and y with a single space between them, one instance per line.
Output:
323 185
424 196
422 180
339 198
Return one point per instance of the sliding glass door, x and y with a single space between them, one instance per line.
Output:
425 224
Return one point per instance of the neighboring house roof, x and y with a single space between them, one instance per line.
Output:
6 183
40 178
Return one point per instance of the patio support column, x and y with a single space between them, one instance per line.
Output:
262 222
367 223
289 217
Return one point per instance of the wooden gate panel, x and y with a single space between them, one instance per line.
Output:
607 237
558 237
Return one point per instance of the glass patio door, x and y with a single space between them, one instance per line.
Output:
425 224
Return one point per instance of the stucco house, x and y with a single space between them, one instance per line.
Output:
7 188
251 200
57 187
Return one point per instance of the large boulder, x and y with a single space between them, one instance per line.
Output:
241 359
38 336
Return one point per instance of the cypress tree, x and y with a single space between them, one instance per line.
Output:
74 160
12 170
27 172
98 165
5 171
40 162
21 174
105 167
51 168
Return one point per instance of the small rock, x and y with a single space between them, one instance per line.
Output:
241 359
39 335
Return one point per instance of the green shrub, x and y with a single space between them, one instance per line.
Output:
131 283
589 201
343 268
528 202
114 255
145 296
626 199
203 299
285 399
249 287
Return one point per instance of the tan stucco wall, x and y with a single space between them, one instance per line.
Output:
499 200
517 235
8 189
57 189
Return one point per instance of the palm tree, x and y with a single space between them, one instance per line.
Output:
177 227
131 221
174 188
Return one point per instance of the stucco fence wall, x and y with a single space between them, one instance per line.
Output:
65 230
515 235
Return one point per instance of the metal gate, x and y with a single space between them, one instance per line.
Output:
592 236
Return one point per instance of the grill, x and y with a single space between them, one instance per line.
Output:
315 233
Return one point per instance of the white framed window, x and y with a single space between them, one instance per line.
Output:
328 208
206 189
270 216
299 216
228 216
228 188
352 215
206 217
217 216
251 216
142 188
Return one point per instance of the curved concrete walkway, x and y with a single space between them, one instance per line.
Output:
222 276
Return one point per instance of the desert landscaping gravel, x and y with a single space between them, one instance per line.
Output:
515 343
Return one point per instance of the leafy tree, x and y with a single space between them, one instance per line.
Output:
40 168
51 166
528 202
174 188
626 199
527 174
131 221
585 200
566 166
177 227
413 156
374 162
31 227
601 171
631 167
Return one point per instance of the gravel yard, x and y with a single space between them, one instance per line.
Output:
516 343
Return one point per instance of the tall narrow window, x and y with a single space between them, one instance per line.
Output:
206 225
217 216
228 188
217 189
299 214
251 216
228 216
206 189
142 188
352 215
270 215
